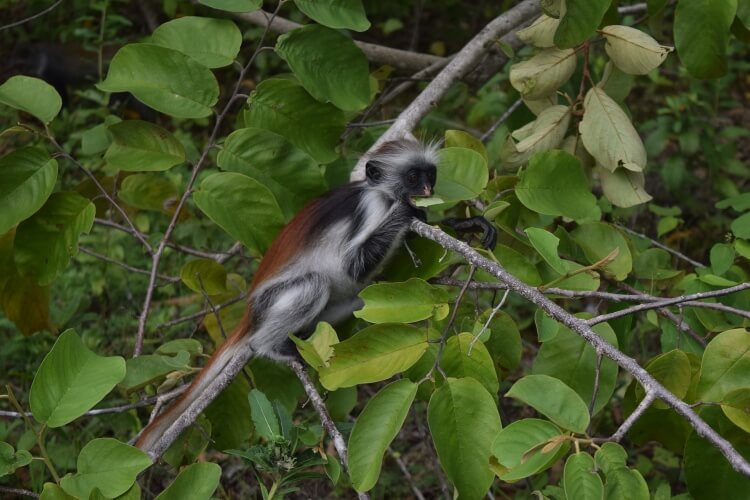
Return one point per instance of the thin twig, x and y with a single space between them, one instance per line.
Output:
489 320
211 306
583 329
688 300
18 491
405 471
209 310
597 376
657 244
633 417
325 417
88 251
503 118
31 18
188 189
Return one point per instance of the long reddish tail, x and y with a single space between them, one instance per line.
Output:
216 375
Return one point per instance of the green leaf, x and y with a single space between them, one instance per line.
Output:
230 416
46 241
461 174
318 349
32 95
626 484
406 302
580 19
623 187
598 240
288 172
546 244
725 366
456 362
217 46
580 479
376 353
554 184
615 82
10 459
375 429
553 399
234 5
610 457
264 418
51 491
152 192
328 64
707 473
163 79
347 14
573 360
283 106
197 482
27 178
521 448
701 34
71 380
224 196
609 135
204 275
542 134
504 343
139 146
463 420
461 139
722 258
632 50
736 407
741 226
546 327
541 33
149 368
672 370
106 464
544 73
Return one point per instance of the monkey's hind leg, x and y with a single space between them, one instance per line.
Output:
475 225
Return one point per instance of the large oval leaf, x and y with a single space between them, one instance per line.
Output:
580 479
573 360
609 135
375 428
632 50
217 46
329 66
579 21
234 5
541 33
139 146
283 106
520 450
553 399
462 174
554 184
701 35
106 464
154 192
672 370
46 241
542 134
71 380
27 178
457 362
406 302
373 354
544 73
290 173
163 79
196 481
31 95
348 14
623 187
725 366
224 197
598 240
463 420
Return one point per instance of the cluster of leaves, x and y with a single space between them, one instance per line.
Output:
580 166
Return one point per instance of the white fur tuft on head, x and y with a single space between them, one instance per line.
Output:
400 153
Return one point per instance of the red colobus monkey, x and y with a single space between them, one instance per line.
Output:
315 270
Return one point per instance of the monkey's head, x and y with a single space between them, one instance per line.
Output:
403 170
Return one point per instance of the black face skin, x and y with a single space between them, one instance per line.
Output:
420 180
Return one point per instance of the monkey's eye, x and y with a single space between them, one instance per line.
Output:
412 178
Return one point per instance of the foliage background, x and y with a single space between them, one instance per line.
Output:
694 133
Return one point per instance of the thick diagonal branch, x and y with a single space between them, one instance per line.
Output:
583 328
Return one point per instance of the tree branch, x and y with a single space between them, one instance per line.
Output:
460 64
583 328
664 247
401 59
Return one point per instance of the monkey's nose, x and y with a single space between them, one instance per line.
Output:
427 191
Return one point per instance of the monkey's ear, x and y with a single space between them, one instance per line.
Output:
373 172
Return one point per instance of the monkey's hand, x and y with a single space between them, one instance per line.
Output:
475 225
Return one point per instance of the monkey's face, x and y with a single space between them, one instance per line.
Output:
418 181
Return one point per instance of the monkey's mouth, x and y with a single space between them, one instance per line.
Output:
423 200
